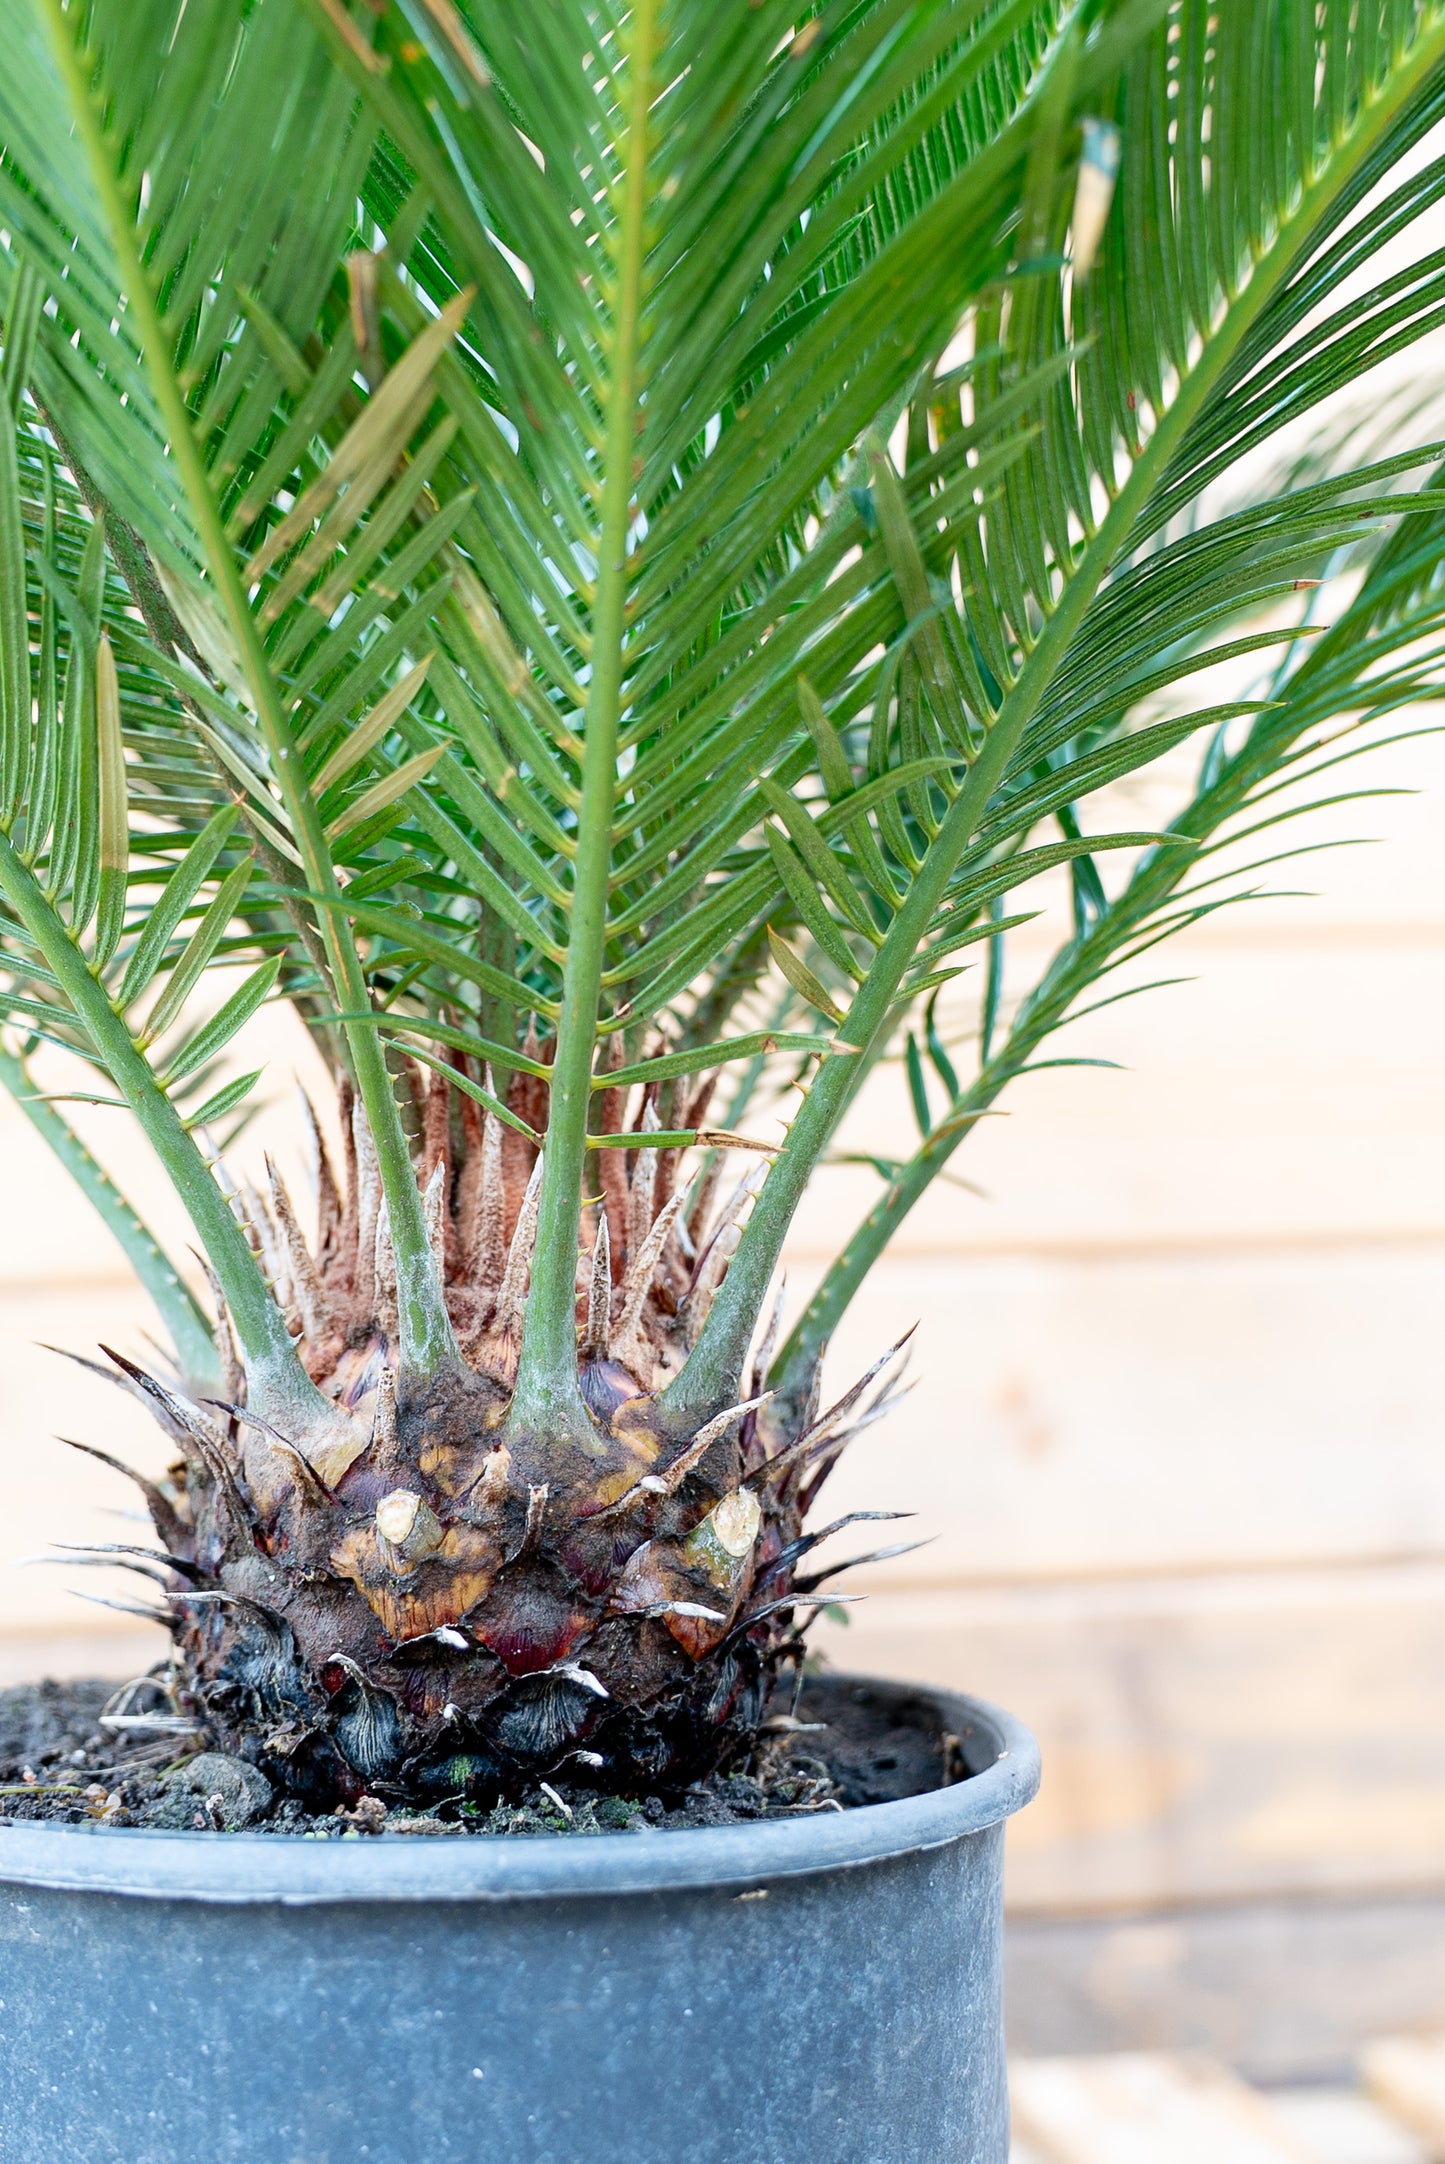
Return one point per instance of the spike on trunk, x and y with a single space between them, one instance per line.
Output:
347 1266
489 1251
384 1271
329 1210
527 1098
307 1289
233 1374
506 1325
643 1188
467 1185
434 1210
368 1208
395 1585
436 1156
611 1164
596 1331
631 1343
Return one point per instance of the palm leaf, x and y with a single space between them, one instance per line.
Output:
637 521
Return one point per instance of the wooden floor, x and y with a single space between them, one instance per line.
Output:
1174 2108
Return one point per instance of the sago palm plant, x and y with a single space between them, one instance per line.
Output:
596 549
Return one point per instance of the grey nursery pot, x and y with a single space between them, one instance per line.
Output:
817 1990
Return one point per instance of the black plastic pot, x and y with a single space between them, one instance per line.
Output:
820 1990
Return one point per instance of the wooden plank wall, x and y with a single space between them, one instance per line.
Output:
1178 1424
1176 1433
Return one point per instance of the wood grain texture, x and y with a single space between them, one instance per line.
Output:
1339 2126
1170 2108
1284 1991
1120 1413
1215 1736
1407 2075
1145 2108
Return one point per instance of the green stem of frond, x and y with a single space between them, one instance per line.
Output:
427 1343
173 1299
714 1368
259 1323
1079 966
547 1395
1085 961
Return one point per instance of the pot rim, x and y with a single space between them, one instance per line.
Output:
250 1869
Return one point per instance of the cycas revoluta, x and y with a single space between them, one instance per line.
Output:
595 550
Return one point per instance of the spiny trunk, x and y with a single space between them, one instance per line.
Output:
440 1606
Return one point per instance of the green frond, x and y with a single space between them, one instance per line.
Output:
660 524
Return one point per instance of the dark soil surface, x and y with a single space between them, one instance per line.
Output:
87 1752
